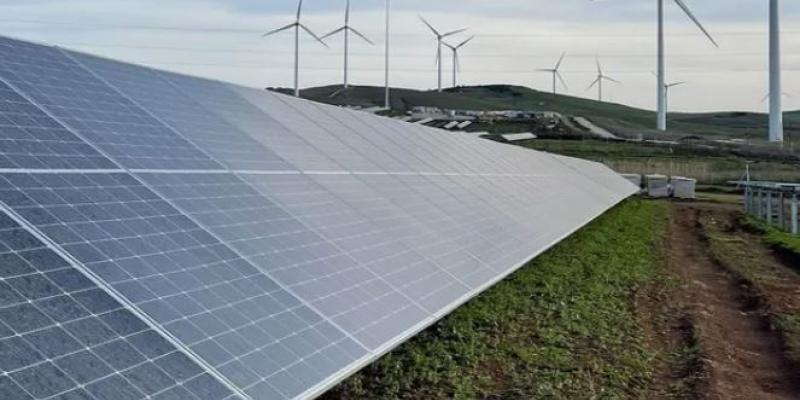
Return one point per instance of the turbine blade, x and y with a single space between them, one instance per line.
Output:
272 32
599 68
333 33
357 33
611 79
546 70
560 60
464 43
347 14
676 84
688 12
596 81
561 79
764 100
449 46
454 32
299 9
314 35
435 32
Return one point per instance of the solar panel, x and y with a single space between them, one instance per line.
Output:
226 103
167 237
212 134
62 336
94 110
215 303
31 139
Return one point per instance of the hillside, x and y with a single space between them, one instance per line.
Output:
619 118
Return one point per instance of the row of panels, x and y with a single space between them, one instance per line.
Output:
277 244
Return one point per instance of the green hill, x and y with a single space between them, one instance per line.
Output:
618 118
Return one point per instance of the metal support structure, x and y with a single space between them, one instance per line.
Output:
781 211
768 211
794 215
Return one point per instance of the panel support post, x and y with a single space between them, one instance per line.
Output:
769 208
795 222
781 211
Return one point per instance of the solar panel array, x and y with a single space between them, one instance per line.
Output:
170 237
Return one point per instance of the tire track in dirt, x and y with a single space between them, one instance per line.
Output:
743 358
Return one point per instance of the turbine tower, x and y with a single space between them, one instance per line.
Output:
347 29
775 93
439 40
556 74
297 25
662 69
386 100
599 81
456 62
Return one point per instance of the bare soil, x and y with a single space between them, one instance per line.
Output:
742 356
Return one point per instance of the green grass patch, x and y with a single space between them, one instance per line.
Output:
564 326
787 243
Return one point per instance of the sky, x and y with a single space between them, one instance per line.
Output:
221 39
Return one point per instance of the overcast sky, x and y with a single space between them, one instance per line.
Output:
220 39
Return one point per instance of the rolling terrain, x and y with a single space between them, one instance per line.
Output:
618 118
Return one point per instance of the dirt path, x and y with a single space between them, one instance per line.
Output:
743 358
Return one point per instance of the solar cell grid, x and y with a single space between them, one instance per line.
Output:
94 110
286 248
303 118
61 335
212 134
31 139
214 302
223 100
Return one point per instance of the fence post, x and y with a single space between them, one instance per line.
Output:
769 208
794 215
747 194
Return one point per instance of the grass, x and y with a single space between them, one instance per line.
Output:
564 326
784 242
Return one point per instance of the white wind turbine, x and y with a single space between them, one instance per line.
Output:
556 74
775 94
439 39
599 81
347 29
662 69
667 87
456 60
297 25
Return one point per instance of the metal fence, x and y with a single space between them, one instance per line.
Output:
775 203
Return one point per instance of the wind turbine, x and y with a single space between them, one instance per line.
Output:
556 74
662 68
456 62
346 29
775 106
667 87
439 39
599 81
297 25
